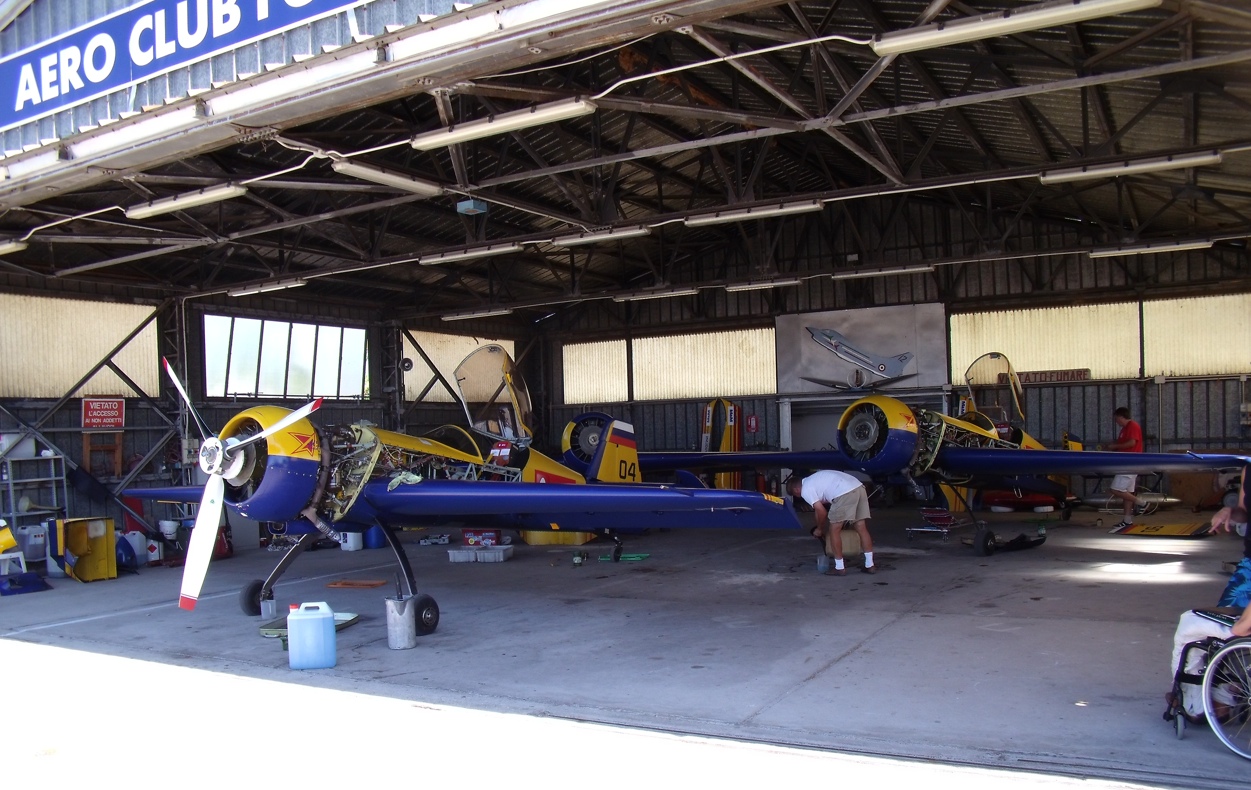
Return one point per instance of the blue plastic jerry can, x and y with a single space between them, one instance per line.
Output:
311 637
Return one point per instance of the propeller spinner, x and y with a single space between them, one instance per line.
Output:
218 459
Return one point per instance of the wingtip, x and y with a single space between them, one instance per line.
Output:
186 602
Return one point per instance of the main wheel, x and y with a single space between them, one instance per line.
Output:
250 598
1179 724
427 614
984 542
1227 695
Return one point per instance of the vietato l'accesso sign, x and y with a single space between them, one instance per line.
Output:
137 43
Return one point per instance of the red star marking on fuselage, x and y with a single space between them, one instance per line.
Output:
308 443
908 417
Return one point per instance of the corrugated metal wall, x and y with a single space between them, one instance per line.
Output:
1197 337
46 19
49 344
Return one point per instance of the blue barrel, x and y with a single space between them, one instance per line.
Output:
311 637
375 538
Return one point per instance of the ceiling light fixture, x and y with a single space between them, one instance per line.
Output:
1130 167
762 285
661 294
477 314
12 245
460 255
504 122
1152 247
612 234
185 200
883 271
754 212
390 178
277 285
1002 23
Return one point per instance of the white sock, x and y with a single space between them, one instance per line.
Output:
838 565
868 559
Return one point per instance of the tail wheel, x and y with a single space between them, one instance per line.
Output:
865 433
581 438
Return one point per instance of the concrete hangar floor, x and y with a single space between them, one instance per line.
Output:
723 656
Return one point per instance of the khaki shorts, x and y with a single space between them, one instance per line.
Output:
852 506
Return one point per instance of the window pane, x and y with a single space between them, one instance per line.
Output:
1103 338
245 353
300 366
326 383
595 372
216 354
352 364
273 379
713 364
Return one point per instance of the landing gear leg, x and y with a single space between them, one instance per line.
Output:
256 590
616 549
427 609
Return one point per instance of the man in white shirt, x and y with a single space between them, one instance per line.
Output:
837 499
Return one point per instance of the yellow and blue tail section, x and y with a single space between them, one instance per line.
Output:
616 459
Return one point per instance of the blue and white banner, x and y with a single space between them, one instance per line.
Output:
136 43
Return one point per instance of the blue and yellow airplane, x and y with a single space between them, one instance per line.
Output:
887 440
270 464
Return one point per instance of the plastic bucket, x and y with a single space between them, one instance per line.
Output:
311 637
7 541
352 541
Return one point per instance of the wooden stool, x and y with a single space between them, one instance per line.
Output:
112 446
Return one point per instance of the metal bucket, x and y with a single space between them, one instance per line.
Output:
401 623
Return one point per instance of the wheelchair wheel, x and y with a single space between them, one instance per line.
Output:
1227 695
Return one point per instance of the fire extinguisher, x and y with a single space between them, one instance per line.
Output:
774 486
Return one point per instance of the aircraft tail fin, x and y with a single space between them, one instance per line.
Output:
617 457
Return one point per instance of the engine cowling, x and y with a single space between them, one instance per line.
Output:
879 434
279 476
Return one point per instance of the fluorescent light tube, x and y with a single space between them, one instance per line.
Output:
185 200
505 122
153 127
665 294
755 212
612 234
882 271
1153 247
460 255
290 82
389 178
760 286
477 314
12 245
278 285
1002 23
1130 167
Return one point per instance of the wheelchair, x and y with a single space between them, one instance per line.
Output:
1225 681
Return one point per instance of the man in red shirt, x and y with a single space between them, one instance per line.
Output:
1123 486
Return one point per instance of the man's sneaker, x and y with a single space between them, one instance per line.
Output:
1122 525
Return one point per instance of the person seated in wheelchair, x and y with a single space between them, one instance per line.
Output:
1193 626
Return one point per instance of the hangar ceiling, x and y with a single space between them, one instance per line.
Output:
693 109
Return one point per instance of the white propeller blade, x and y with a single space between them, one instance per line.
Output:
291 418
204 431
203 537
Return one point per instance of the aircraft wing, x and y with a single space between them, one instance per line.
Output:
187 494
791 459
971 460
570 507
961 461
